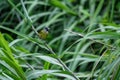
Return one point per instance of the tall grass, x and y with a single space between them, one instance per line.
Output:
83 42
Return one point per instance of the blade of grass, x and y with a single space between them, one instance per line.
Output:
60 61
60 5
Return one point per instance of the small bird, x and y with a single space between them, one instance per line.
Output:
44 33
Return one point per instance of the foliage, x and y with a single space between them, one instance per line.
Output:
83 41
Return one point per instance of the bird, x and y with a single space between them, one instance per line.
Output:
44 33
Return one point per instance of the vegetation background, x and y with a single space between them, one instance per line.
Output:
83 41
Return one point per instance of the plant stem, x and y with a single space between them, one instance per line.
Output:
46 45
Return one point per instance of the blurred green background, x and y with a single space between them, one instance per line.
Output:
83 42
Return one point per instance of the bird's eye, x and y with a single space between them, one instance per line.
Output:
47 29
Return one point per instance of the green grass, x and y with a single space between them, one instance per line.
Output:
83 41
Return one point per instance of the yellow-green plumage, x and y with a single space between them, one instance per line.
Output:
43 34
